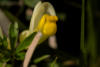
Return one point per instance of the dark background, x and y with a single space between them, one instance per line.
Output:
68 34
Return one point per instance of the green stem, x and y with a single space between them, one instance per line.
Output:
82 43
91 39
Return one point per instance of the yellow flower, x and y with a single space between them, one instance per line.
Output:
47 25
49 28
43 20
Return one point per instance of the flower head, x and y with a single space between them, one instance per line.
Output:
47 25
43 20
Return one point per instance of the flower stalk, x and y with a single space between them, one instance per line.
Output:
31 49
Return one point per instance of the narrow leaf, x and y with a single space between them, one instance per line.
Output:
54 63
1 33
13 35
37 60
82 41
91 39
20 56
23 45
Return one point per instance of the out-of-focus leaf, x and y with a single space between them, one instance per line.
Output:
4 56
33 65
4 64
82 41
13 34
91 35
9 3
5 43
1 34
54 63
37 60
1 64
14 19
62 16
31 3
4 59
4 52
20 56
9 46
9 65
24 44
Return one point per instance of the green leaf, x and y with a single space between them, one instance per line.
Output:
31 3
37 60
5 43
0 41
4 55
20 56
13 35
91 35
1 64
1 34
54 63
23 45
62 16
9 65
4 64
4 52
82 41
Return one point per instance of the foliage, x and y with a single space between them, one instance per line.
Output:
17 53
